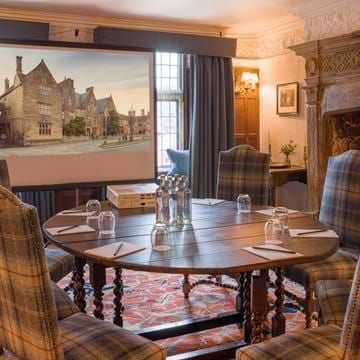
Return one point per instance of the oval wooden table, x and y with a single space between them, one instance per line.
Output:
213 244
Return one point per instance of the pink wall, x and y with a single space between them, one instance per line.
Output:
278 70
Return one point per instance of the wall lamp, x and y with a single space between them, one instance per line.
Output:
246 81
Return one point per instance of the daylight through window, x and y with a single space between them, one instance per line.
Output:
169 106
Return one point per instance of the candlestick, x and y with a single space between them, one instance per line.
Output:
305 156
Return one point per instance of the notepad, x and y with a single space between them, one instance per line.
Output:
107 251
83 213
78 230
325 233
270 254
269 212
207 201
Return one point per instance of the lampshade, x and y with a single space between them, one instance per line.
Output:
248 77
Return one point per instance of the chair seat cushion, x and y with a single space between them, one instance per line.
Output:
341 265
60 263
333 296
315 344
64 305
84 337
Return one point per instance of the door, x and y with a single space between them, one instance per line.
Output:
246 112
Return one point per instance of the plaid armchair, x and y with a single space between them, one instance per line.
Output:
60 262
36 320
330 341
243 170
340 210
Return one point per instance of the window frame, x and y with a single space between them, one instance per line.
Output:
169 95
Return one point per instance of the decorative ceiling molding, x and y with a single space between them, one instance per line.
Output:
328 19
93 21
342 20
273 42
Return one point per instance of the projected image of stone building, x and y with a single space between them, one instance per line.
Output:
35 109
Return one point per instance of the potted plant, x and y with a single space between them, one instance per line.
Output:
287 150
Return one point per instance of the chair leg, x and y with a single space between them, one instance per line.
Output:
309 306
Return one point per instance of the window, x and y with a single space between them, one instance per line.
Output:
44 109
44 128
44 90
169 106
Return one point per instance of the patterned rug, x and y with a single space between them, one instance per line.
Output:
152 299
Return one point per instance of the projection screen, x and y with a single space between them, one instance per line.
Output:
76 115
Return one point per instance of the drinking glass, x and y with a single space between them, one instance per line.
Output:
273 232
282 214
160 240
243 203
106 222
94 207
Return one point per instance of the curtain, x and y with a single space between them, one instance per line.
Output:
211 106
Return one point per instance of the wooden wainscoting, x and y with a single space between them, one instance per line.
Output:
247 123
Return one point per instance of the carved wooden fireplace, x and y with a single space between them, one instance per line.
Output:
333 103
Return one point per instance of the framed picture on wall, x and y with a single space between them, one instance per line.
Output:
287 99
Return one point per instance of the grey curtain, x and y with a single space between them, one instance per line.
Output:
211 105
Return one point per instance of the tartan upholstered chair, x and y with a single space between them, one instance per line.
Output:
243 170
60 262
332 341
4 174
340 210
37 320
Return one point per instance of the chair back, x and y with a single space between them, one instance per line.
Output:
243 170
4 174
350 336
28 319
340 204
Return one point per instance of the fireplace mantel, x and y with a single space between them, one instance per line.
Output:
332 87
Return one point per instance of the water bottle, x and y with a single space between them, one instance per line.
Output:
162 203
187 202
180 202
172 192
166 202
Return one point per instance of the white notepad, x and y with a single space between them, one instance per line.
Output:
269 212
107 251
83 213
77 230
272 255
325 233
207 201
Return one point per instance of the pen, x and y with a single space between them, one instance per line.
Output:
277 250
118 249
72 211
311 232
67 228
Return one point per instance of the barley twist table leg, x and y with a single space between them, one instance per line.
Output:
247 325
239 296
278 319
98 280
259 305
118 295
79 298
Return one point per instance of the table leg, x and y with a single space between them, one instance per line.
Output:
239 296
118 295
246 301
98 281
79 296
259 304
278 319
186 286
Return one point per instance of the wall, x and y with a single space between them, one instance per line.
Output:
273 71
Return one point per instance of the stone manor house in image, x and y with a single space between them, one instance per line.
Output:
36 109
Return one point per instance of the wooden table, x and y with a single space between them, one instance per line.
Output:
279 177
213 244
